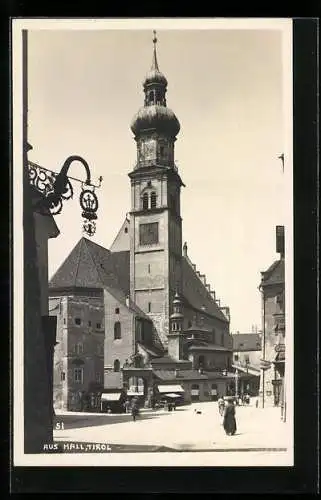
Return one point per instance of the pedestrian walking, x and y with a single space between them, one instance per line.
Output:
221 405
134 409
229 422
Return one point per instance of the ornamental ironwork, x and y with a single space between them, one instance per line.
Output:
57 188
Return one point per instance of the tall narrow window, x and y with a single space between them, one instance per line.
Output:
151 97
201 361
145 201
149 307
148 268
63 376
117 330
78 375
116 365
153 200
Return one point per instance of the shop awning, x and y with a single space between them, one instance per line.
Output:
172 395
135 393
113 396
167 389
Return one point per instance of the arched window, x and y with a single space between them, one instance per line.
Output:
153 199
117 330
145 201
116 365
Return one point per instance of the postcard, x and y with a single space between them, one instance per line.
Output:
153 242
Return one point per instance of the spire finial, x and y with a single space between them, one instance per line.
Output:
155 64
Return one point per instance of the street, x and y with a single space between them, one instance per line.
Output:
261 437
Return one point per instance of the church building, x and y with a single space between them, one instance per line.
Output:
164 329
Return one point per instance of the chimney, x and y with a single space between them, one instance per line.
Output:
208 287
127 300
213 294
194 267
203 279
218 302
185 249
279 230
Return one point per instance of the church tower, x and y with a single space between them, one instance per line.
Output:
155 224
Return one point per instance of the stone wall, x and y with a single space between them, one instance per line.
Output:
79 346
118 349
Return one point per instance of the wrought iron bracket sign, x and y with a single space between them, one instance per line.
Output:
57 188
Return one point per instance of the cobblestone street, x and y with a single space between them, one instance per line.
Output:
185 431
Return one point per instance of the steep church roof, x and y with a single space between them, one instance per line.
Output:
121 242
90 265
196 294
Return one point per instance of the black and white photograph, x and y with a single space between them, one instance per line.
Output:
153 255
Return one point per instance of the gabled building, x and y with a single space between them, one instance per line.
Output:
247 361
272 288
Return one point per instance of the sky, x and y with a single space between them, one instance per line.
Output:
225 87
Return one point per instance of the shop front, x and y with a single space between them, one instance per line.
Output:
112 402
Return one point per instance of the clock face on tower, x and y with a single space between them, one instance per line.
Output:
149 150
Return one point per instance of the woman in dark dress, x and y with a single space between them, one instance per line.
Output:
229 422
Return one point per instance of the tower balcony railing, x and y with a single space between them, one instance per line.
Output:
155 162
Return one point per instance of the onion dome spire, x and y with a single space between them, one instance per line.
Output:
155 76
155 64
155 115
